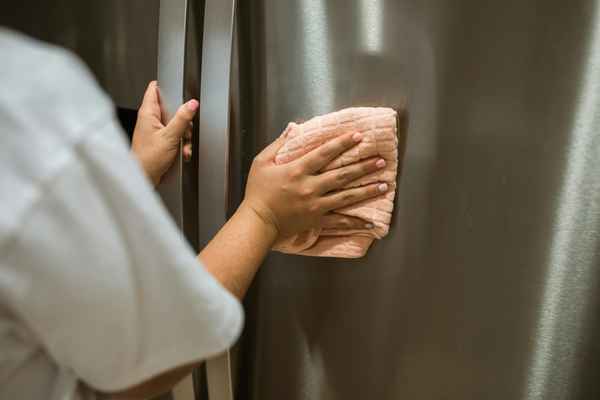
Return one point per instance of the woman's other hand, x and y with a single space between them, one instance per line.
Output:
155 145
295 197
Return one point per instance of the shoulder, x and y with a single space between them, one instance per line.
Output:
49 105
46 85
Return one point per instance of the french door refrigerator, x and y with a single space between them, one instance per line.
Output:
487 286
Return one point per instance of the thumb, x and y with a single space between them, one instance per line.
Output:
270 152
150 102
178 125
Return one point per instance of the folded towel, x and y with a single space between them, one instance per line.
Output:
378 127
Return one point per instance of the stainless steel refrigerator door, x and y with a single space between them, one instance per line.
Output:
487 286
173 24
172 32
117 39
213 152
215 19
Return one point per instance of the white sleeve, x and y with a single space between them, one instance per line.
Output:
102 276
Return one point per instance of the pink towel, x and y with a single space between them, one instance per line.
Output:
378 126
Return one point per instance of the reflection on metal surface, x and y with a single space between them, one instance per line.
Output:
171 86
449 304
570 276
213 151
116 39
218 377
184 390
312 375
214 117
371 25
316 62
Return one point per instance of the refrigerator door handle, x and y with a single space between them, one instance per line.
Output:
172 32
213 151
172 28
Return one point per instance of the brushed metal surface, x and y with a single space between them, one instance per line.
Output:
117 39
171 86
487 286
172 35
184 390
218 377
213 152
214 116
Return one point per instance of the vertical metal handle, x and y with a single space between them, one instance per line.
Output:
172 30
214 135
213 151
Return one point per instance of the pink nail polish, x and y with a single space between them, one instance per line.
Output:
357 137
193 105
383 187
380 163
368 226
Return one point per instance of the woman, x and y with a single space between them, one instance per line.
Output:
99 294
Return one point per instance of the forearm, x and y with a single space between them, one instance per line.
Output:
238 250
233 257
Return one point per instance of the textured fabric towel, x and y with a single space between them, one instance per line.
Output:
378 126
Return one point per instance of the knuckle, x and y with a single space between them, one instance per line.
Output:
345 223
344 176
313 209
326 153
349 197
306 192
296 172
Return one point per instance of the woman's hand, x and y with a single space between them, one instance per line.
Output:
155 145
295 197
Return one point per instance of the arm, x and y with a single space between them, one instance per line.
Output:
235 255
280 201
237 251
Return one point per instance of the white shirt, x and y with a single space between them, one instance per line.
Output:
97 287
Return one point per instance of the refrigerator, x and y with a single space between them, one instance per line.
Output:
488 283
487 286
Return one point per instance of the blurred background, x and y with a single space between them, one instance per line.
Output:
118 40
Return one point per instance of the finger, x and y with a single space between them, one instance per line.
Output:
347 197
337 178
150 101
339 221
150 96
188 132
270 152
187 151
322 155
180 122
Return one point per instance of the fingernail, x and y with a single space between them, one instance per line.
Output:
380 163
190 152
193 105
383 187
368 226
357 137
